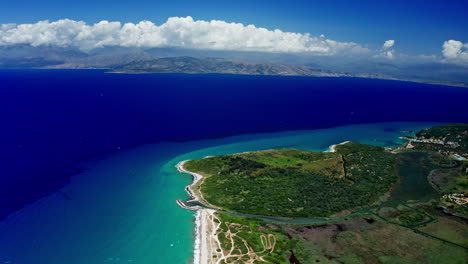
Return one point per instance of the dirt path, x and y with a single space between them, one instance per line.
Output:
251 256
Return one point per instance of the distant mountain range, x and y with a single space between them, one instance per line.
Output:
169 60
218 65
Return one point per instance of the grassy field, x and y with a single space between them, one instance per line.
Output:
368 241
448 228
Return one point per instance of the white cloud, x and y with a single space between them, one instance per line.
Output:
388 44
389 54
455 51
387 50
183 32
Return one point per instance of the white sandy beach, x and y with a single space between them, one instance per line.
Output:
206 237
332 148
204 225
196 178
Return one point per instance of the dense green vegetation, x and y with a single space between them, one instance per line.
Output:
297 183
452 132
455 133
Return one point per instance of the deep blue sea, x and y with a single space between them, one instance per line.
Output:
119 137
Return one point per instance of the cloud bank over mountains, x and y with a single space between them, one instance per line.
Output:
180 32
185 32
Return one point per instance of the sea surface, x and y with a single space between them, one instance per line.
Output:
87 158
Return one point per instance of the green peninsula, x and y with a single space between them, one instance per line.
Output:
356 203
296 183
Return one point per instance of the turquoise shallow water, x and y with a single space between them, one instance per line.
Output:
123 210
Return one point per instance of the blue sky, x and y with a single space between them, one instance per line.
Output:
419 27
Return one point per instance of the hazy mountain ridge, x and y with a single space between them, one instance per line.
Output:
176 60
217 65
103 60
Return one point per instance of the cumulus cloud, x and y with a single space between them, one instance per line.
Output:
387 50
388 44
455 51
182 32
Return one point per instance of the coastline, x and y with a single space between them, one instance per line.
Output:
332 148
205 228
205 233
196 178
207 245
206 241
331 75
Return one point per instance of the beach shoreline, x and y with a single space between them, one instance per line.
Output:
204 231
196 178
332 148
